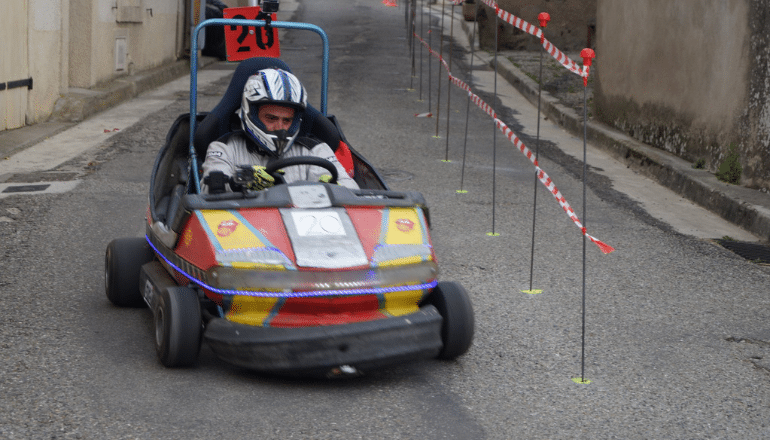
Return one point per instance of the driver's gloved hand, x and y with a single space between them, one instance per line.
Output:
262 179
325 178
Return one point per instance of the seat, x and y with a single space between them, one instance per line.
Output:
218 122
222 119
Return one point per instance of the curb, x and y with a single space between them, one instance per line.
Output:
744 207
80 104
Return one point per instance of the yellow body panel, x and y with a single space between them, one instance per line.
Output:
402 303
231 233
251 310
400 232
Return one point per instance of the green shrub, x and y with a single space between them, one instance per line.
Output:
730 170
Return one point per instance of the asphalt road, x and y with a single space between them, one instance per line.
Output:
677 329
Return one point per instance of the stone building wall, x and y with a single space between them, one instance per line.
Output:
690 77
572 25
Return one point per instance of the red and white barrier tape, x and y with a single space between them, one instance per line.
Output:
475 98
458 82
391 3
531 29
433 52
545 180
541 175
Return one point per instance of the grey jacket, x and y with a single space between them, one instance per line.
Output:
226 157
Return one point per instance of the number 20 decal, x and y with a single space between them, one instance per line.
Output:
259 36
244 42
320 223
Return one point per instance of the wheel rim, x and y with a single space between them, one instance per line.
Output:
107 259
159 326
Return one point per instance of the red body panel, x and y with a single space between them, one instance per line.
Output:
310 312
208 234
195 246
368 223
270 224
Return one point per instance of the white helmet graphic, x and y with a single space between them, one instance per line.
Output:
278 87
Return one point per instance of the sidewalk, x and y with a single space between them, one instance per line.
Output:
81 104
744 207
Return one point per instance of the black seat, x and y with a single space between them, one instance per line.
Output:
222 120
217 123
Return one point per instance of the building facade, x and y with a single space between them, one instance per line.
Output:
572 26
689 77
50 48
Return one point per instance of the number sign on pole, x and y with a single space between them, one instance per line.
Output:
247 41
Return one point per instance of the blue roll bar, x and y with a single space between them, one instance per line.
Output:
251 23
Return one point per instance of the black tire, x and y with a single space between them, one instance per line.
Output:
123 260
178 327
455 307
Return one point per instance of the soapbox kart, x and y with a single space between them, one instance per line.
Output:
306 277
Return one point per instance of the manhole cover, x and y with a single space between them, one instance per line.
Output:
32 189
44 176
756 253
26 188
396 175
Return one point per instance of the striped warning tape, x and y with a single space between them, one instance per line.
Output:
433 52
541 175
531 29
475 98
458 82
545 180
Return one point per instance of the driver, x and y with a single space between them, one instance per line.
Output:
273 104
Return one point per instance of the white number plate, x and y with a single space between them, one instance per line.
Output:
318 223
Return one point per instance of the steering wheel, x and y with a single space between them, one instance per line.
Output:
273 167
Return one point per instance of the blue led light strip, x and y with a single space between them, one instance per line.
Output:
308 293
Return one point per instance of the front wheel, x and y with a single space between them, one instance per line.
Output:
455 307
178 327
123 260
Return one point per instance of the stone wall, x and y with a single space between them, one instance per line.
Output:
113 38
691 78
572 25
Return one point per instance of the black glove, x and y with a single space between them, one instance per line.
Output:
216 182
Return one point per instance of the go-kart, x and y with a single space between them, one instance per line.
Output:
304 277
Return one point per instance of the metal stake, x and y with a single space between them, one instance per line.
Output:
543 17
587 55
440 73
468 104
494 139
449 86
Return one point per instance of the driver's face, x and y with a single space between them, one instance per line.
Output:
276 117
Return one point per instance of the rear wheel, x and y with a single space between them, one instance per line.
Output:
178 327
455 307
122 262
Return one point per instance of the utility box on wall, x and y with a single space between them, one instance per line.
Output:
129 11
121 54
